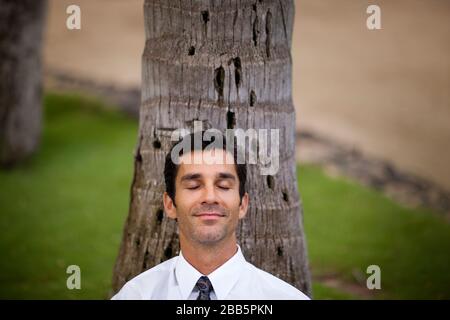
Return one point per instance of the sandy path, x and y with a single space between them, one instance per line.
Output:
386 92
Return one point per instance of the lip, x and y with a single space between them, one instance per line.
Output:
209 215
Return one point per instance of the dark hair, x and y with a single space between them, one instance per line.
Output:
171 169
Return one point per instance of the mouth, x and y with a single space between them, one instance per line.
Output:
210 215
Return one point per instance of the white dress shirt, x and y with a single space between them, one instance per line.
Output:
236 279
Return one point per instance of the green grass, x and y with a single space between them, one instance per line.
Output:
350 227
68 203
324 292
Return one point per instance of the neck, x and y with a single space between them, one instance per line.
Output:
206 259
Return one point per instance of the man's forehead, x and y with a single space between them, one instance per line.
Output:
207 157
207 162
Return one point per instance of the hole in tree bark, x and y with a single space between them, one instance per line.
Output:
252 98
159 215
157 144
254 7
191 51
205 16
256 31
268 32
285 196
280 251
168 252
231 120
237 71
219 77
138 156
145 259
270 182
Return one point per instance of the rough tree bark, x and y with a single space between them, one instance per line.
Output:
228 64
21 27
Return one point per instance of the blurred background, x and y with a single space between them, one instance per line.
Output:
373 129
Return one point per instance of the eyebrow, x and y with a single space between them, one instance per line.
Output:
190 176
197 176
226 176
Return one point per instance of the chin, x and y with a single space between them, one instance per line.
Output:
209 237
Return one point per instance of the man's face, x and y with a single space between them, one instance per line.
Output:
208 206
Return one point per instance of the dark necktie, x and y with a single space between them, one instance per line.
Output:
205 287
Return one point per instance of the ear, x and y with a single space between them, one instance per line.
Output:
169 207
243 206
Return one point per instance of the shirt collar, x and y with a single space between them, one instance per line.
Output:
222 279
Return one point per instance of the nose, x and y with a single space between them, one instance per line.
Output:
209 195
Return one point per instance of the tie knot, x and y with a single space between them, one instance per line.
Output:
205 287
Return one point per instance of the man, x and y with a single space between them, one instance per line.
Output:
207 198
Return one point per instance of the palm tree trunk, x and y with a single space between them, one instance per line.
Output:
228 64
21 27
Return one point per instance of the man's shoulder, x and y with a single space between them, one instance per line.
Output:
155 272
274 288
145 283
